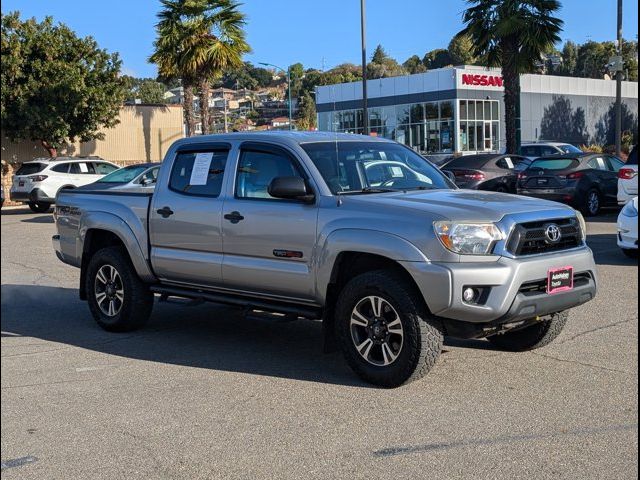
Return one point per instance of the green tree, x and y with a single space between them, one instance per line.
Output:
569 60
306 117
593 58
630 57
55 86
146 90
382 65
296 74
461 50
207 38
512 34
437 58
414 65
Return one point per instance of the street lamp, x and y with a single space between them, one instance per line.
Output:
288 73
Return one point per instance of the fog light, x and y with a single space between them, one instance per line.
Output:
468 295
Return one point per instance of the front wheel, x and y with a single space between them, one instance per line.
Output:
535 336
119 301
385 331
39 207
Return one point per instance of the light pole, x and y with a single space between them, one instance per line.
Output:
619 85
363 32
288 72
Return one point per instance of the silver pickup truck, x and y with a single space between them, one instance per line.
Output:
359 232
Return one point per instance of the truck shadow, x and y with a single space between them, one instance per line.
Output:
208 336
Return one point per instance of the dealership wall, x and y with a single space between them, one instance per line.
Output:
144 134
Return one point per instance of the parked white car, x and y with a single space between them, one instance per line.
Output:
628 229
38 182
628 178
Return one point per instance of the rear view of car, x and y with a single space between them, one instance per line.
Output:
586 181
628 178
493 172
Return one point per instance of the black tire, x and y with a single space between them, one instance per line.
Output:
422 336
137 303
631 252
530 338
588 208
39 207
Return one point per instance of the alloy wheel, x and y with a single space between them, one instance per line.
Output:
376 331
593 203
109 291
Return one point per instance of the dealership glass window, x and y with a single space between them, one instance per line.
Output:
324 121
494 111
417 113
464 137
487 110
446 110
463 109
446 137
403 114
431 111
479 111
471 110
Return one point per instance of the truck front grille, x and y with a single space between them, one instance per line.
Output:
530 238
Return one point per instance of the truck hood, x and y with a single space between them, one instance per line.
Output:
460 204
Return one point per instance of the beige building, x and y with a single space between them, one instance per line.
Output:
144 134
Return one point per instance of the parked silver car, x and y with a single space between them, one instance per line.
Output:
291 223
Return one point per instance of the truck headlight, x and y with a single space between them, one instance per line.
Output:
583 226
468 238
630 210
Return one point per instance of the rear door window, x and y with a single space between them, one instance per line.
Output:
506 163
62 168
102 168
31 168
530 151
549 151
597 163
74 169
199 173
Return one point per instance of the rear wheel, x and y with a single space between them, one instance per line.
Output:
592 203
385 331
39 207
119 301
530 338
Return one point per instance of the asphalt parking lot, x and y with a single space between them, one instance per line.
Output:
203 393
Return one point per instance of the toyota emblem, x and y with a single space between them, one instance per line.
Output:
553 233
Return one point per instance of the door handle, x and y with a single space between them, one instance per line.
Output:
165 212
234 217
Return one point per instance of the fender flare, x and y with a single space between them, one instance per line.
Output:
373 242
116 225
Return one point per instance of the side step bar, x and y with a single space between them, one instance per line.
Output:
309 312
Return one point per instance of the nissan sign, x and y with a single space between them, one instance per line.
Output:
482 80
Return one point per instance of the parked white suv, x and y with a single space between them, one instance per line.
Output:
38 182
628 179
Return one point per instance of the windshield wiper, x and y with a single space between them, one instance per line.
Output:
421 187
369 190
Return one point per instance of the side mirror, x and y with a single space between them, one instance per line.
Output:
291 188
147 181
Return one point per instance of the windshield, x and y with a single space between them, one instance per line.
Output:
354 167
123 175
30 168
566 148
552 164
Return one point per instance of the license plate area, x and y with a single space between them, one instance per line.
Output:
559 280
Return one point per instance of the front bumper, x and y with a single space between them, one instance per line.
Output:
442 284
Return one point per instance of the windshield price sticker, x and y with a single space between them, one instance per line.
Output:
201 165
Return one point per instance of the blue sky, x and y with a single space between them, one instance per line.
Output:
314 32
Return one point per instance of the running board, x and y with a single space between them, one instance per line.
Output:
238 301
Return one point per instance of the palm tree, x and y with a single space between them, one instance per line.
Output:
198 40
512 34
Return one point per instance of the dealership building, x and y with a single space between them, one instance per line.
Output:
460 109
